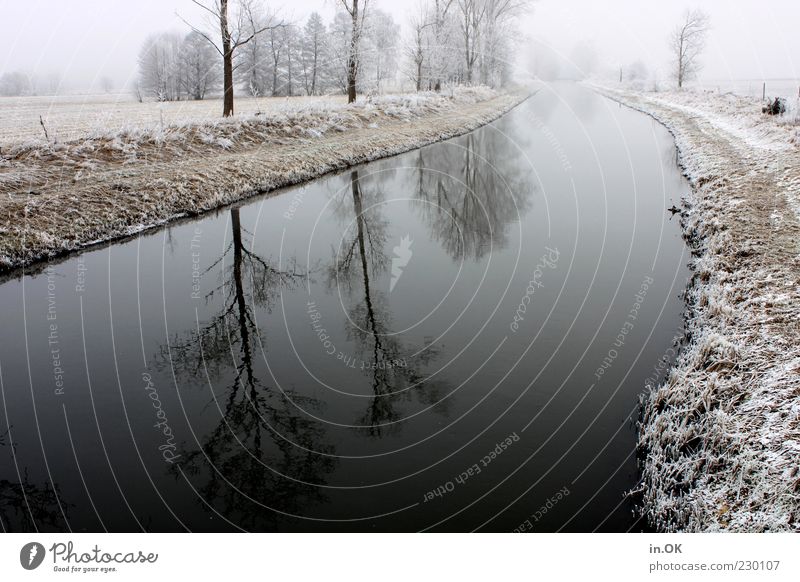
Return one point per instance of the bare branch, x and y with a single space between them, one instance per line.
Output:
214 13
201 33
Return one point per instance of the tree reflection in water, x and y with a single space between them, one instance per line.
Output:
27 506
394 368
263 446
469 213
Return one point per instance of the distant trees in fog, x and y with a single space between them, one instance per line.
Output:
636 71
21 83
687 42
359 51
172 67
199 66
106 84
15 84
462 42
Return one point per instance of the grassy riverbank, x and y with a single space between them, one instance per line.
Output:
721 436
56 196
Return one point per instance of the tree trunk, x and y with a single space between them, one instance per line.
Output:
290 90
227 60
227 105
314 74
352 61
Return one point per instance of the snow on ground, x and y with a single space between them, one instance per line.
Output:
75 116
112 181
721 436
68 118
739 116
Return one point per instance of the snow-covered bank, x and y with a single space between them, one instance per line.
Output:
60 196
721 437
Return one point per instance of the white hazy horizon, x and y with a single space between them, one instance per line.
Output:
82 41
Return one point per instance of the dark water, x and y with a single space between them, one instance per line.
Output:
413 345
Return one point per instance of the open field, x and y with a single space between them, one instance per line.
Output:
721 437
72 117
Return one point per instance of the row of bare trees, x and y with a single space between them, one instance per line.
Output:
172 67
463 41
264 54
451 41
23 83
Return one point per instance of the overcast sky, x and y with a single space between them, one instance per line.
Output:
87 39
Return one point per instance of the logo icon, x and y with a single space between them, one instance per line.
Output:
31 555
402 255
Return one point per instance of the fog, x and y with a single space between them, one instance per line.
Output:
747 40
82 41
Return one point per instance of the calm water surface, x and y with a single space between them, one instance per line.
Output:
453 339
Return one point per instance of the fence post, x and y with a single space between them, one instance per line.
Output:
764 92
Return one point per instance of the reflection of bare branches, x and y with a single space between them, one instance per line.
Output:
469 213
207 349
28 507
367 240
389 364
250 447
250 444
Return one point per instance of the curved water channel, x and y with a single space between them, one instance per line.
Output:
452 339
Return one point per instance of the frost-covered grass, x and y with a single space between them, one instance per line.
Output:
78 116
69 118
738 115
112 181
721 436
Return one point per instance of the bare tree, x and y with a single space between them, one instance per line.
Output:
357 27
200 67
418 50
443 35
687 42
276 46
159 68
497 30
472 13
234 33
251 63
293 40
380 40
314 55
